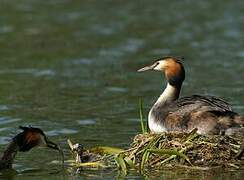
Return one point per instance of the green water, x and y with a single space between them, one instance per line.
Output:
69 67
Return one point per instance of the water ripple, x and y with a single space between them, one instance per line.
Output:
6 29
117 89
3 107
4 140
35 72
86 122
129 46
102 29
47 72
7 120
3 129
82 61
241 54
61 131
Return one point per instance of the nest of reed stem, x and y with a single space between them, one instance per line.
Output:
174 149
171 149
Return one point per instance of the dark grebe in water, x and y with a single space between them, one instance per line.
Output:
29 138
210 115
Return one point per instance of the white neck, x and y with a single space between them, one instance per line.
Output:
170 94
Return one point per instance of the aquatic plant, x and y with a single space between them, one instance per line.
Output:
189 150
170 149
142 121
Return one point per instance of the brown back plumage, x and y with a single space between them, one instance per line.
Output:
209 114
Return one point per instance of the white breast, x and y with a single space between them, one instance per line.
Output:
154 125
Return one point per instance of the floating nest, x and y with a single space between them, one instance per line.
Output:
185 149
190 150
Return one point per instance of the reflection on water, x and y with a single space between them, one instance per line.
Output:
61 131
7 120
32 72
86 122
69 67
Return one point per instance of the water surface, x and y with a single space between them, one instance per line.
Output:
69 67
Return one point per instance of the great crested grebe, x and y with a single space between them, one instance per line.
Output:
210 115
81 155
30 137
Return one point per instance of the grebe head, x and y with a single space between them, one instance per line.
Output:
172 67
32 137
